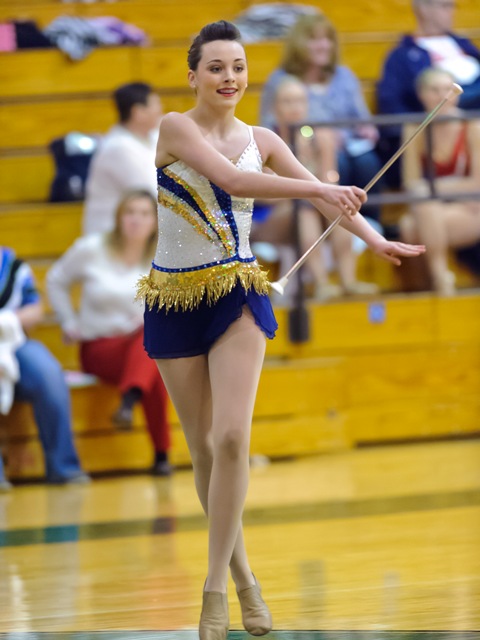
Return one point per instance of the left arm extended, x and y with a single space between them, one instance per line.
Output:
280 159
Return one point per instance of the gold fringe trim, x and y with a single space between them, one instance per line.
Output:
184 291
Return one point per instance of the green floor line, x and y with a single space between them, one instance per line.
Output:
309 512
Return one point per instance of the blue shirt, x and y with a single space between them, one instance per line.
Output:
17 284
341 99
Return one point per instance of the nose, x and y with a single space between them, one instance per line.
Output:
228 77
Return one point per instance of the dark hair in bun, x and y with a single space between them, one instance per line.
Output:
221 30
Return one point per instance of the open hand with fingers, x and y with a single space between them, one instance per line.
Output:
393 251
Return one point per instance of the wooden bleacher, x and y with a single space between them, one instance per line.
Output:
44 95
383 370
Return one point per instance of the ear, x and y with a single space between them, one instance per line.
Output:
191 79
135 110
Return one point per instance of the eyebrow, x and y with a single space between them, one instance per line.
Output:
218 60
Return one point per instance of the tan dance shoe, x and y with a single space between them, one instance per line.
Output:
256 616
214 621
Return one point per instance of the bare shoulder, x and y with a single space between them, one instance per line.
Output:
262 133
267 141
174 128
173 122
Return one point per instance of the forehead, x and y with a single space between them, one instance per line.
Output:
137 201
224 50
291 89
320 31
440 4
438 80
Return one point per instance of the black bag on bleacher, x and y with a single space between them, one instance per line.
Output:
72 155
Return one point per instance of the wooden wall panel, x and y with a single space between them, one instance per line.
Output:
42 231
25 178
169 20
48 72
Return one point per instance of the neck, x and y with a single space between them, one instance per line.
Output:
284 132
132 251
452 111
315 74
427 31
220 121
136 129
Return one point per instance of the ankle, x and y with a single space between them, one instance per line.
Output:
218 586
131 397
243 580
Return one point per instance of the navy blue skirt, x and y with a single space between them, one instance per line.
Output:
183 334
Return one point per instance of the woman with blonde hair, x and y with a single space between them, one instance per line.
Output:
311 53
316 149
109 323
441 225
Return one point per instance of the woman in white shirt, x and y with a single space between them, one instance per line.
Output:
109 323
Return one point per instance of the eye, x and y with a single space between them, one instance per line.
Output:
215 69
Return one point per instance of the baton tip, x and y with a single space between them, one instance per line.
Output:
277 287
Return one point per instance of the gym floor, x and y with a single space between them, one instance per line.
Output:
371 544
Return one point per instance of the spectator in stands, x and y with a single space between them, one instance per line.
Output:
456 164
109 323
125 158
29 373
432 45
311 53
316 149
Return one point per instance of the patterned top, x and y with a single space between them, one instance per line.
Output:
17 286
203 247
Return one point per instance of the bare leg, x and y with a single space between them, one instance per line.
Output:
235 363
345 259
188 384
310 229
327 146
462 221
430 223
408 229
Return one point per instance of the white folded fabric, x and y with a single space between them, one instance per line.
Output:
11 338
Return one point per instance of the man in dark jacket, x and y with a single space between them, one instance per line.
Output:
433 44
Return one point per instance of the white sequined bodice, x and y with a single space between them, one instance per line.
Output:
199 224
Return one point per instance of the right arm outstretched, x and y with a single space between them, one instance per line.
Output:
181 139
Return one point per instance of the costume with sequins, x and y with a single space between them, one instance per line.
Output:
203 250
203 247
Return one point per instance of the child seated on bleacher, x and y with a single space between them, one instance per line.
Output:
438 224
316 149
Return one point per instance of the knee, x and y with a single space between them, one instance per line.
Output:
407 229
201 451
202 457
233 443
40 372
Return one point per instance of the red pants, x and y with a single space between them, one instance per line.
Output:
123 362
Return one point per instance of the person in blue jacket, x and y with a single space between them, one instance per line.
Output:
33 374
432 45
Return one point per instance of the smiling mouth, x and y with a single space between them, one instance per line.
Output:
227 92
